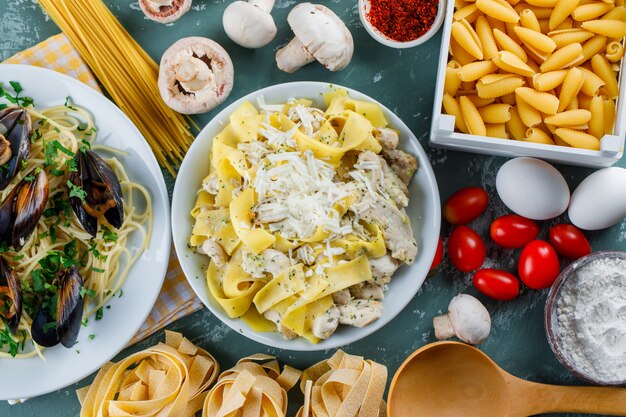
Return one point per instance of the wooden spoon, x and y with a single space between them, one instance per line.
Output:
451 379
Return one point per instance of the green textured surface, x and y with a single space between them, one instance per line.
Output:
403 81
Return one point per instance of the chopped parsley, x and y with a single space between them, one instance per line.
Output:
76 191
99 314
108 235
15 99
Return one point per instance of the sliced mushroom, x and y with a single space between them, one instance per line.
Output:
320 35
196 75
164 11
249 23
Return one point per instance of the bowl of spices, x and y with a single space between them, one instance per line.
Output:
402 23
586 318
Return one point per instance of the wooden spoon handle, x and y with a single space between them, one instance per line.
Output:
540 398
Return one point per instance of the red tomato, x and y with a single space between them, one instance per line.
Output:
538 265
465 205
438 255
497 284
466 249
569 241
513 231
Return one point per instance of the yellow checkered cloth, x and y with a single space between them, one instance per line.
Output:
176 299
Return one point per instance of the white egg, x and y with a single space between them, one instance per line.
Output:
532 188
600 200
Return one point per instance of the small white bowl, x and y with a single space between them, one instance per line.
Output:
423 210
364 7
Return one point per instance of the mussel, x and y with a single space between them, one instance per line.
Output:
102 192
15 131
48 331
10 296
22 208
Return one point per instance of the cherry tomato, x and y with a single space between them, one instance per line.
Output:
538 265
466 249
569 241
513 231
438 256
465 205
497 284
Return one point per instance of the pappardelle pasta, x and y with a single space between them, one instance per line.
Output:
542 71
303 215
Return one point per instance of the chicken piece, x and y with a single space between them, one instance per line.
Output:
360 313
326 324
270 260
275 317
367 291
388 138
214 250
210 185
395 225
342 297
402 163
383 177
383 268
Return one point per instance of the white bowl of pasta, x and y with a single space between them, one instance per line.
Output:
281 265
549 78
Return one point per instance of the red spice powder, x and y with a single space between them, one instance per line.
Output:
403 20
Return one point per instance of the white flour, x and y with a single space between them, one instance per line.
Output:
591 315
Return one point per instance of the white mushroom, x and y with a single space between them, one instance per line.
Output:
249 23
164 11
320 35
196 75
467 319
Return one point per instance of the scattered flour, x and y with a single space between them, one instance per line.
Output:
591 315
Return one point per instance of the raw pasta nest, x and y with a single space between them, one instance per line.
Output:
303 215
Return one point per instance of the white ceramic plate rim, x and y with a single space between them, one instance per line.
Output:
63 367
194 265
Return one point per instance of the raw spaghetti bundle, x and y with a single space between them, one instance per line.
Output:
126 71
166 380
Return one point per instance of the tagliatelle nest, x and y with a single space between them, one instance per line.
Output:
170 379
254 387
344 386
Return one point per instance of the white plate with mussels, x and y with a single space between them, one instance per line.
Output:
84 231
295 232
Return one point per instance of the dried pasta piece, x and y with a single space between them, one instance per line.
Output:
591 83
516 126
508 98
566 37
618 13
344 386
452 80
530 116
593 46
608 28
496 130
467 38
475 70
590 11
539 12
497 85
506 43
529 20
510 63
535 39
596 122
602 68
479 101
562 9
562 58
609 116
614 51
569 118
542 101
469 12
510 30
578 139
542 3
451 107
459 54
568 23
166 380
495 113
549 80
254 387
485 34
500 10
537 135
571 86
472 118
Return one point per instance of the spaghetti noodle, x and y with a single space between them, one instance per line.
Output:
127 73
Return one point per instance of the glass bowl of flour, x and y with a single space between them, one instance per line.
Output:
586 318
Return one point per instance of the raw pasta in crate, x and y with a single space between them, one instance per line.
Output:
541 71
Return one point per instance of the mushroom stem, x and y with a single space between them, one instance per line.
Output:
443 327
293 56
193 74
265 5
